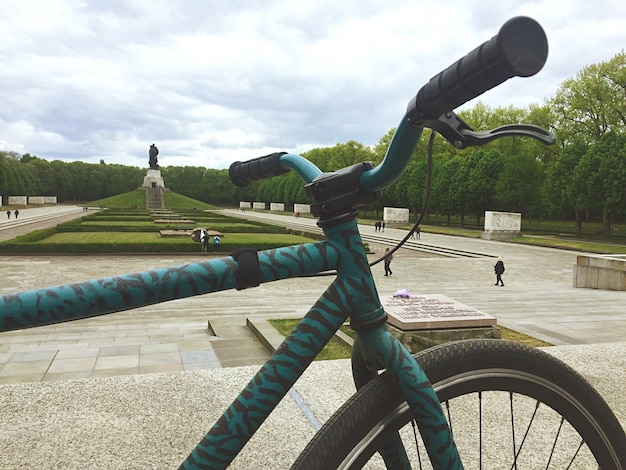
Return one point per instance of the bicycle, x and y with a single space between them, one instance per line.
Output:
396 414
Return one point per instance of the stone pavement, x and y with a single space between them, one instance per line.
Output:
35 218
158 375
538 299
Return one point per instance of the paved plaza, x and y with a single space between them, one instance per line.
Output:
159 375
538 299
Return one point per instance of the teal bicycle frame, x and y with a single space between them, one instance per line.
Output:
351 295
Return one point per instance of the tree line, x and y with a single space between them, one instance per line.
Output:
582 177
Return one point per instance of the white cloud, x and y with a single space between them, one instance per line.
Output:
212 82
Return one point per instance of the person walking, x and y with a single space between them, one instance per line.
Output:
204 240
499 269
17 213
8 214
216 243
388 259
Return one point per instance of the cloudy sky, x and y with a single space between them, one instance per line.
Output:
214 81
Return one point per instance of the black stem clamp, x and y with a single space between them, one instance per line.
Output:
337 194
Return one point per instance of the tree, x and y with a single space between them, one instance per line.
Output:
560 193
518 185
483 177
600 178
593 103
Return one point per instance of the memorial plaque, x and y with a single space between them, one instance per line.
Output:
433 311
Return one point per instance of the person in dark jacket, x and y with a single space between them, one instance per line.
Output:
499 269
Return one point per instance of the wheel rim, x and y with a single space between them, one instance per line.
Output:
514 444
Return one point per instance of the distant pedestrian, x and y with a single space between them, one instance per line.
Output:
216 243
204 240
17 213
418 232
499 269
383 225
376 226
388 259
8 214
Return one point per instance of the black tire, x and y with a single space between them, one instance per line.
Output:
511 379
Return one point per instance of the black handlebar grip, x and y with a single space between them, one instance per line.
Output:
243 173
519 49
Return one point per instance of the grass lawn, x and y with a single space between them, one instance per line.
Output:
138 199
149 237
337 349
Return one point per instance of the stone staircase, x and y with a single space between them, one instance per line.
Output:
155 198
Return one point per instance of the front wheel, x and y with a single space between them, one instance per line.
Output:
508 405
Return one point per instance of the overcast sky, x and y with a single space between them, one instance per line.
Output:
214 81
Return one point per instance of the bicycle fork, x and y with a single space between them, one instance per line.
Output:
376 349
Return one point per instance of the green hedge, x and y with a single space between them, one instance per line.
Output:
31 237
96 248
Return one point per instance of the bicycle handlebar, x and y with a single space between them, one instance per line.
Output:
519 49
243 173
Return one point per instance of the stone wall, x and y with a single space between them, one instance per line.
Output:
244 205
277 207
600 272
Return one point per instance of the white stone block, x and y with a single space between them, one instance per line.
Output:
260 206
49 199
503 221
302 208
35 200
17 200
396 215
244 205
277 207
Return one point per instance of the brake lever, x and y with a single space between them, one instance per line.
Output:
458 133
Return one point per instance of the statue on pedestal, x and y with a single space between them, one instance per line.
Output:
154 162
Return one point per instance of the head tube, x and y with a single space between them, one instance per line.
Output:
396 159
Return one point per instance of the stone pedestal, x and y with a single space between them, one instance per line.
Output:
153 179
420 322
154 186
